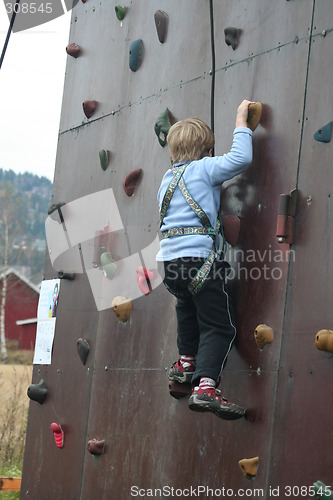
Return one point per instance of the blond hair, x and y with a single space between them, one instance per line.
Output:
190 139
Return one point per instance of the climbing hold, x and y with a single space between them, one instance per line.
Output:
131 180
66 276
122 308
249 467
144 278
83 349
178 390
73 50
231 36
263 335
96 447
163 125
89 108
120 12
324 340
108 266
161 22
102 243
254 115
135 54
37 392
286 217
231 226
54 207
104 157
324 134
58 433
322 491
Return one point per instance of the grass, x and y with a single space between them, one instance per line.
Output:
15 378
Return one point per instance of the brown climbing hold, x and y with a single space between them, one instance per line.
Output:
178 390
96 447
122 308
263 335
324 340
73 50
89 108
131 180
254 115
231 226
249 467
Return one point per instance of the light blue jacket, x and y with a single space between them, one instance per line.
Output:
203 179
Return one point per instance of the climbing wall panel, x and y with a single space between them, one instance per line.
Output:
118 403
303 401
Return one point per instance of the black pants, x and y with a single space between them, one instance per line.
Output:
205 325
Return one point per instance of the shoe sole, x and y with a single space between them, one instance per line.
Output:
181 380
224 413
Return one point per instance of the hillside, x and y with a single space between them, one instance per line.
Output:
25 198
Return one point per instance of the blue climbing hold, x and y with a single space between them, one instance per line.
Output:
135 54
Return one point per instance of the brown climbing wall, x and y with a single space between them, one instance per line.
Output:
120 395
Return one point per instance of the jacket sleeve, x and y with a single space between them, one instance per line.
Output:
236 161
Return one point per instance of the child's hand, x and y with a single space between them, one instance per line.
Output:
242 113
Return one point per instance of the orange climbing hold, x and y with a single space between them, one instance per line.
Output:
249 467
324 340
254 115
263 335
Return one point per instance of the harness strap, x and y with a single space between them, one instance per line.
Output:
188 231
207 229
178 172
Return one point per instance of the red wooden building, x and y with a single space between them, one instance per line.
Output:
21 309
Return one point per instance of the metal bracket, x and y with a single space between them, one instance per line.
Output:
286 217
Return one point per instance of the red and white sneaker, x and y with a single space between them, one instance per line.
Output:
210 400
181 371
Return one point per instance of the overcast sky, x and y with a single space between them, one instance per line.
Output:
31 88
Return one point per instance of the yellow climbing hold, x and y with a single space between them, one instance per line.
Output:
263 335
249 467
324 340
122 308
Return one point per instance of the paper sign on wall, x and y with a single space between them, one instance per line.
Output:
46 321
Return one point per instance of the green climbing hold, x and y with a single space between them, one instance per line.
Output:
322 491
109 267
162 126
324 134
104 158
120 12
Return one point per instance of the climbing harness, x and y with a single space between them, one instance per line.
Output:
206 228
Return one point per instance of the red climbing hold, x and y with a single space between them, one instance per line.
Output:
89 108
58 434
131 180
144 278
73 50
